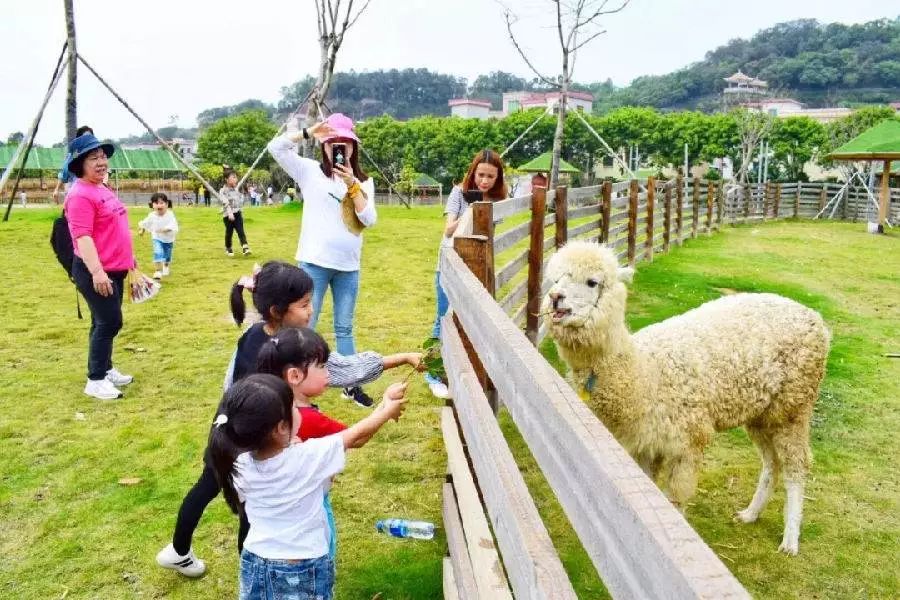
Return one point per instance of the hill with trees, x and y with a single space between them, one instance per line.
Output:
819 64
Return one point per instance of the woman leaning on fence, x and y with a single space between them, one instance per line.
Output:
98 224
484 181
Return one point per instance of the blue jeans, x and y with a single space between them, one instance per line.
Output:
443 304
162 251
344 290
270 579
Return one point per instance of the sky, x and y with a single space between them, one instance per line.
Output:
172 59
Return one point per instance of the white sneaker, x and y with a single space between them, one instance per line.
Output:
188 565
165 272
439 389
118 379
102 389
157 274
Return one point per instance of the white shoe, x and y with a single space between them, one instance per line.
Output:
102 389
118 379
157 274
165 272
188 565
439 389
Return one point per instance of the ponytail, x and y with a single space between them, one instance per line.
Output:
250 410
298 347
236 299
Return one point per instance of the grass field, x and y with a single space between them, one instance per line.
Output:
69 529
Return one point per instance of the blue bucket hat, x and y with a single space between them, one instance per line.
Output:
82 145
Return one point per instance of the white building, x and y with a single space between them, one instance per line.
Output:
788 107
469 108
516 101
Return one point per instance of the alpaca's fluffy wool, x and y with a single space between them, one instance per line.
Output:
752 360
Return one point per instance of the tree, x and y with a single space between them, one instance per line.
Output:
211 115
236 140
752 127
794 142
332 26
577 24
15 138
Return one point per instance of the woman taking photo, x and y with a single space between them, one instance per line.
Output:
485 177
338 203
98 224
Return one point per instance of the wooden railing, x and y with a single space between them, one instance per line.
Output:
640 544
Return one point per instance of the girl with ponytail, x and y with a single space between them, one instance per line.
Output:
279 485
282 295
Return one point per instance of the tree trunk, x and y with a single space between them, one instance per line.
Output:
560 123
71 86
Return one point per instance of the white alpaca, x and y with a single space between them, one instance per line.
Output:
752 360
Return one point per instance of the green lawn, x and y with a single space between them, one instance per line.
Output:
69 529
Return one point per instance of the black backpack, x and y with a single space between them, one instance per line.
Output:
61 242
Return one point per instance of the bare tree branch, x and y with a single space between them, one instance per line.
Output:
512 37
360 12
597 34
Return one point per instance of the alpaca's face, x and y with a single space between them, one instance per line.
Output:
585 286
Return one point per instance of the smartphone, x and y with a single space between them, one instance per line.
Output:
339 154
473 196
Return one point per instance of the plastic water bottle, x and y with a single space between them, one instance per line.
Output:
402 528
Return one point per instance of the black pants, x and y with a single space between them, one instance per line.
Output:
232 226
192 507
106 317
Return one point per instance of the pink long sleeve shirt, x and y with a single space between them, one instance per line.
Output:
96 211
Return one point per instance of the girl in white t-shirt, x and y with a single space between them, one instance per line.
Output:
280 484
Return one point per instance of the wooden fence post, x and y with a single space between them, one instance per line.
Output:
667 216
777 200
474 251
823 196
679 206
633 188
720 205
747 196
797 200
483 224
651 217
605 210
710 194
562 216
695 225
477 251
535 264
765 204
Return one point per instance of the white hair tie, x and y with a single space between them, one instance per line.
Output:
220 420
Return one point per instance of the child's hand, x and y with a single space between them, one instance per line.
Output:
141 231
414 359
394 400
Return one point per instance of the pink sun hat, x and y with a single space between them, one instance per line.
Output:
342 125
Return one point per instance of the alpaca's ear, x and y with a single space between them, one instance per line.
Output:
626 275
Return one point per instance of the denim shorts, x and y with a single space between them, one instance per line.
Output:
162 251
274 579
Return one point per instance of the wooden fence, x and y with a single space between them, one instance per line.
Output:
640 544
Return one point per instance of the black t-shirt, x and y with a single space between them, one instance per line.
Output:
248 348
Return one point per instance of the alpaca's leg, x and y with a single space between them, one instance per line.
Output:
649 465
767 476
793 452
682 478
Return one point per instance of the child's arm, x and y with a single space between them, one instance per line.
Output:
171 225
391 407
354 369
413 359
